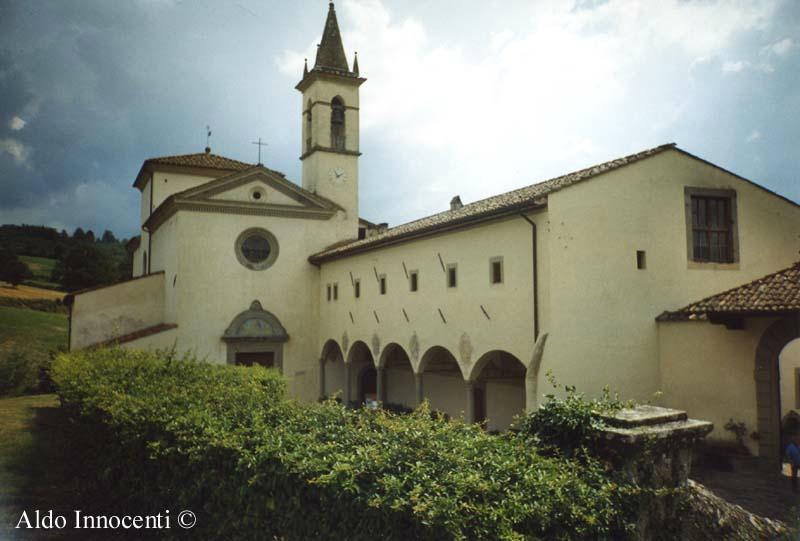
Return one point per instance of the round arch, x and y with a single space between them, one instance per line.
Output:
438 358
397 384
361 374
442 383
497 362
331 370
256 336
775 338
498 378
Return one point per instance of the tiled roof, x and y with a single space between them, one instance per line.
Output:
202 159
773 294
527 197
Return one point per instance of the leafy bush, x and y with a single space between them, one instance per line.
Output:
40 305
19 371
568 424
226 443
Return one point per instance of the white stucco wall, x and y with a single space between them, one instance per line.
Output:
602 308
707 370
101 314
504 401
467 332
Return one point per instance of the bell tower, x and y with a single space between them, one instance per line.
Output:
330 146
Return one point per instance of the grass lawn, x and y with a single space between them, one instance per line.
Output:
32 466
42 268
40 331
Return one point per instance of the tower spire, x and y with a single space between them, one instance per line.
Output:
355 64
330 53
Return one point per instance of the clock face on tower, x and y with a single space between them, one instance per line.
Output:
337 175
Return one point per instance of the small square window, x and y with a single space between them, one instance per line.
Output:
452 275
357 288
413 281
336 292
382 283
641 259
329 292
496 270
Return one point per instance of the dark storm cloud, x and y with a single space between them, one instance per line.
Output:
103 85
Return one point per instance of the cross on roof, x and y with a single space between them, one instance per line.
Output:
260 144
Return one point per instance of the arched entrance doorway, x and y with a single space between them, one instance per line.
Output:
498 379
443 383
359 361
368 386
789 374
331 371
399 389
256 337
768 393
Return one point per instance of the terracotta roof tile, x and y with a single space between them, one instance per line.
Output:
526 197
202 159
775 293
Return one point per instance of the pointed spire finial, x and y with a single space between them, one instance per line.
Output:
355 64
305 68
330 52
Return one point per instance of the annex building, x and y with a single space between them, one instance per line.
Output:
657 274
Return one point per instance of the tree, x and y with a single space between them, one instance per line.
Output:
12 270
90 236
79 234
84 265
108 237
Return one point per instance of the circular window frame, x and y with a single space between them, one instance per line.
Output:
273 253
261 194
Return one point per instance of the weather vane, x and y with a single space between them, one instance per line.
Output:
208 137
260 144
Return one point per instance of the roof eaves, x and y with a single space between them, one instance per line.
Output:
387 239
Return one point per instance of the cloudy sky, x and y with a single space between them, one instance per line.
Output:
463 97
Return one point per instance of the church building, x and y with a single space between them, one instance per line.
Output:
610 275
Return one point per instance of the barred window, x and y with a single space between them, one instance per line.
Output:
712 227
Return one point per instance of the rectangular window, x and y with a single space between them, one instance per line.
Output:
452 275
329 292
357 288
413 280
641 259
382 283
711 225
336 292
496 270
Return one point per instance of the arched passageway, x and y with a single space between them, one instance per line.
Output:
789 372
768 395
332 370
498 394
396 383
442 382
358 369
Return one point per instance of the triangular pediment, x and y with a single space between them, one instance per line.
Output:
258 187
233 194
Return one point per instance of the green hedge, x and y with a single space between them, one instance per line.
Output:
41 305
227 444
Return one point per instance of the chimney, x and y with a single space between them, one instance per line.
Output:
455 203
